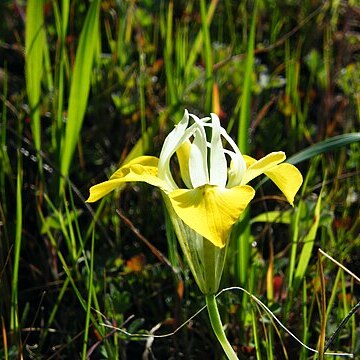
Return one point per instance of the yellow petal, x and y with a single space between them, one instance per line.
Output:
287 178
143 168
183 154
211 210
261 166
249 160
98 191
151 162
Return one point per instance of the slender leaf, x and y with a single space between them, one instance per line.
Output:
321 343
168 52
244 120
324 146
319 148
14 322
80 86
276 216
308 246
296 230
243 242
198 43
34 60
207 57
88 304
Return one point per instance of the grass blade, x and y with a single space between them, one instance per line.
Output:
208 58
61 21
244 120
319 148
197 45
308 246
304 351
321 347
324 146
80 86
243 243
168 52
4 156
14 320
88 305
296 229
34 56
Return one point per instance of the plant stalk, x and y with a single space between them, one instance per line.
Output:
218 327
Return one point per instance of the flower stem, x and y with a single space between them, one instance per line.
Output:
218 327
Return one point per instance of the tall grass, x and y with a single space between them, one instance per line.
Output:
243 140
207 57
61 16
14 315
80 86
105 82
34 49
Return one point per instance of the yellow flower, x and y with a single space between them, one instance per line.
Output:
214 194
213 191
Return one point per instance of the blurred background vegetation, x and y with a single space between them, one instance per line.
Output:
86 86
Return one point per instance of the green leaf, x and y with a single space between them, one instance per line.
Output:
319 148
245 113
283 217
35 43
242 140
308 246
80 85
324 146
53 221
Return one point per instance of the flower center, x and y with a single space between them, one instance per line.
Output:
201 154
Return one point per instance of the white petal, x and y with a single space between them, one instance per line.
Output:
198 166
237 165
233 172
218 165
171 143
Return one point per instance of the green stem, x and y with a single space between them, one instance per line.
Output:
217 326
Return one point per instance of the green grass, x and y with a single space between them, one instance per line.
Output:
34 65
88 86
14 315
80 86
